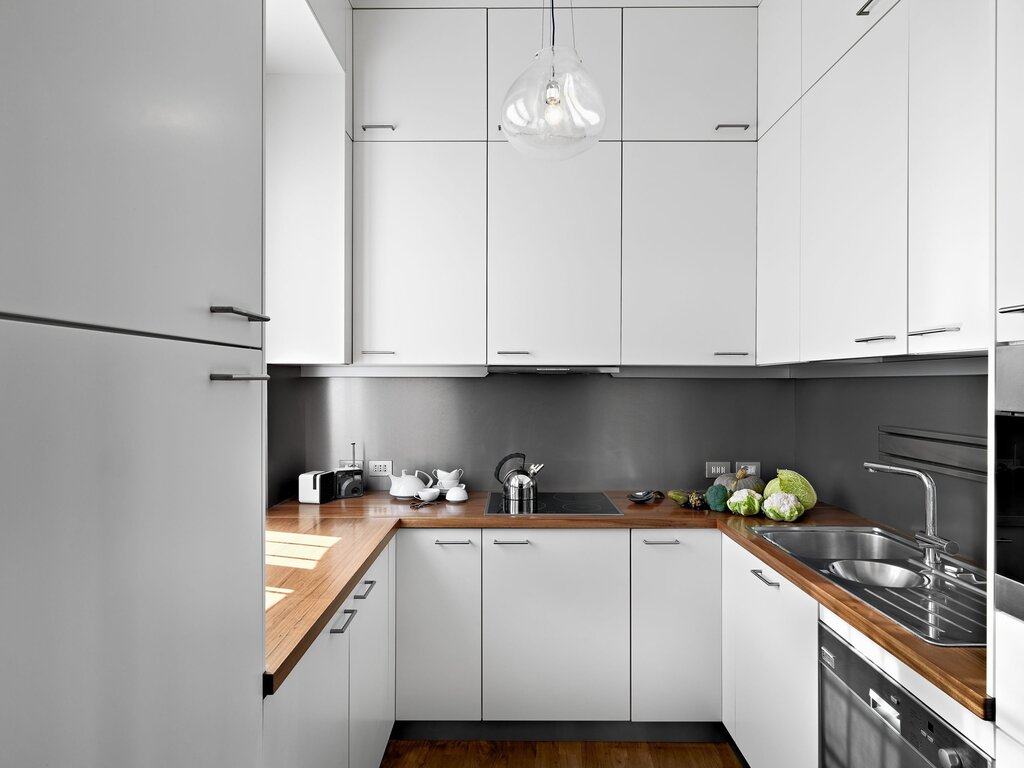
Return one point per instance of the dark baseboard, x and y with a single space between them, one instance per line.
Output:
479 730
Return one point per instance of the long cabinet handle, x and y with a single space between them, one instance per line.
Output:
1011 309
447 543
757 572
252 317
375 351
499 541
731 354
370 584
653 543
863 11
239 377
378 126
867 339
351 612
930 331
744 126
512 352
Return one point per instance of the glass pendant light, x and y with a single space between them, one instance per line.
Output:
553 110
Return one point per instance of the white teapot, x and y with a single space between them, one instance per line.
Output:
407 486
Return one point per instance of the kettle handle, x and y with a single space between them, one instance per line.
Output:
497 469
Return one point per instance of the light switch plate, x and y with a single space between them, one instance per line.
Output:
716 468
381 468
752 467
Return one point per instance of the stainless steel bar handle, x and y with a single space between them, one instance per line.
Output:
239 377
512 352
864 8
757 572
866 339
930 331
369 588
744 126
378 126
351 612
1011 309
731 354
499 541
252 317
654 543
375 351
447 543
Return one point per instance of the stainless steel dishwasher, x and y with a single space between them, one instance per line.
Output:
868 720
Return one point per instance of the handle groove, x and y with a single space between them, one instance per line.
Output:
744 126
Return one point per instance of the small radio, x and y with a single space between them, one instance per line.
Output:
317 487
348 482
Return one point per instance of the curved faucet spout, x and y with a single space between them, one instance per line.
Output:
931 523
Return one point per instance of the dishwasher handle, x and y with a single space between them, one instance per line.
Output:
888 713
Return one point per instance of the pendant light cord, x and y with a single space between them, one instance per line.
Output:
552 23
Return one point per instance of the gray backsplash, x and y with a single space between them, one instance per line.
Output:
599 433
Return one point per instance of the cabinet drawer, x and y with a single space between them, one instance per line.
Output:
831 28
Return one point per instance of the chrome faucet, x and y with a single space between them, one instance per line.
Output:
929 540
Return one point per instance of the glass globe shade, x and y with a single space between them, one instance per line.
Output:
553 110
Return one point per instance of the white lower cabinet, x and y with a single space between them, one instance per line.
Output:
1009 674
556 624
438 624
676 625
306 722
770 669
1009 751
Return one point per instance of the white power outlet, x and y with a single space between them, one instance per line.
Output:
381 468
752 467
716 468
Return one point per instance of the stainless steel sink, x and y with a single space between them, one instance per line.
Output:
944 605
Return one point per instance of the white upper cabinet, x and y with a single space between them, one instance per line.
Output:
853 299
778 60
131 182
1010 173
778 242
688 221
554 258
419 260
831 28
952 135
689 74
420 75
515 34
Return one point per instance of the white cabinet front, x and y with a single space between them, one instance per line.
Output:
439 624
952 130
419 260
831 28
515 34
131 160
853 300
778 60
420 74
676 643
1010 172
688 253
556 624
689 74
554 258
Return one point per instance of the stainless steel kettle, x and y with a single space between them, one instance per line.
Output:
519 485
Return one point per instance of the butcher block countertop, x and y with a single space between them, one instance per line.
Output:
316 554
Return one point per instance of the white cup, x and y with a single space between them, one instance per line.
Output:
447 480
457 493
429 494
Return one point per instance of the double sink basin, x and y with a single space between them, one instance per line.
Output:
945 605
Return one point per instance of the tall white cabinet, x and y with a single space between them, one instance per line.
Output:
1010 173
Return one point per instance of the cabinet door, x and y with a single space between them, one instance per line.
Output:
831 28
1009 677
420 74
764 611
778 60
554 258
371 704
555 609
952 134
420 254
778 242
515 34
131 159
688 238
1010 173
135 480
853 300
439 624
306 721
1009 751
689 74
676 643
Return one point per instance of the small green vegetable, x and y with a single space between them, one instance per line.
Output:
784 507
745 502
717 496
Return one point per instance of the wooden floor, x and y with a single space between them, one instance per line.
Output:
556 754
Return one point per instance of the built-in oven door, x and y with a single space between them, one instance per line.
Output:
1009 480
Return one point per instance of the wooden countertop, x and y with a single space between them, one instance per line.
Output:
332 545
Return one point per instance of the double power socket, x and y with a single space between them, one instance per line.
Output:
716 468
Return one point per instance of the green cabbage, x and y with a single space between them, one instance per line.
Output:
745 502
784 507
792 482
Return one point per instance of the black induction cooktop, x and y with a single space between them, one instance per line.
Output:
561 504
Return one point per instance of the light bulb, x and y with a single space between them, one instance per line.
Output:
554 115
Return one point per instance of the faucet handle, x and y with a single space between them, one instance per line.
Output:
945 546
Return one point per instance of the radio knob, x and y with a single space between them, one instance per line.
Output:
950 758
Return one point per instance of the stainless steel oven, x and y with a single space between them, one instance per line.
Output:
868 720
1009 480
